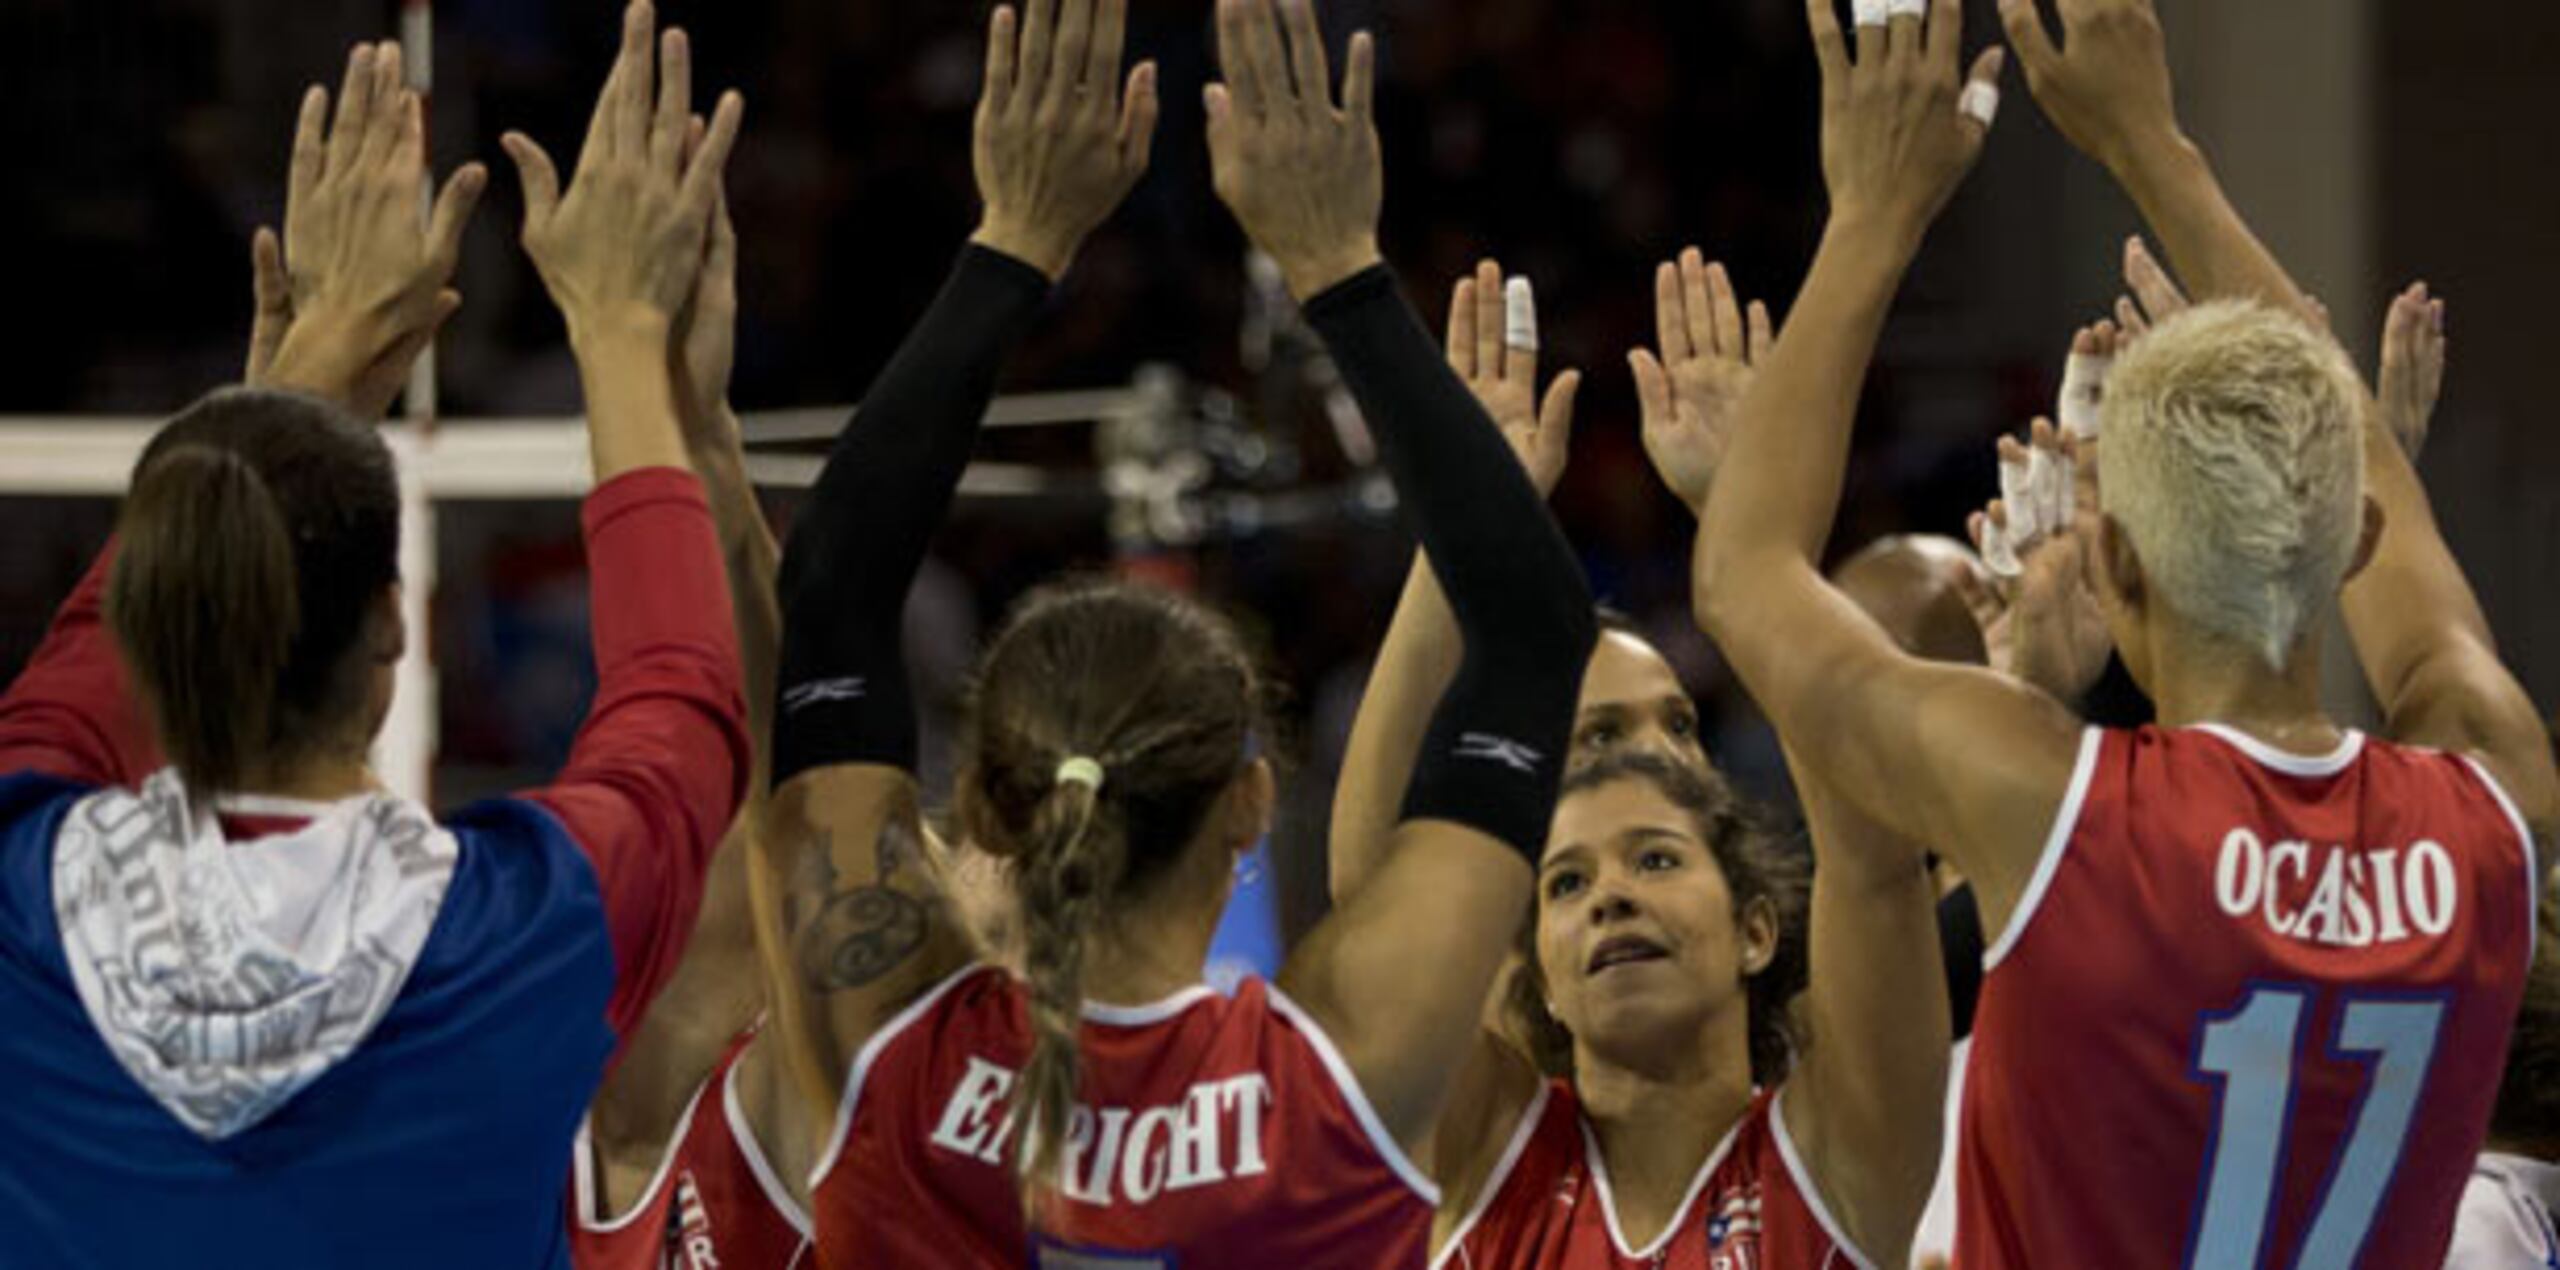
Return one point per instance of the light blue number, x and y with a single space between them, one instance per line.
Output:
2401 1035
2251 1051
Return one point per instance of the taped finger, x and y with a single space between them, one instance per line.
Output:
1519 315
2084 384
1979 101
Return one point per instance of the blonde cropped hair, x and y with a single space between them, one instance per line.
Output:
2234 460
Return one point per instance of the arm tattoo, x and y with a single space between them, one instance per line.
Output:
857 937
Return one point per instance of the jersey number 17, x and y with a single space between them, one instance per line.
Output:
2248 1054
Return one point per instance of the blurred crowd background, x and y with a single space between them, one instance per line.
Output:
1579 142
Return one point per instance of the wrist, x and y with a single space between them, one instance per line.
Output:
317 357
712 435
1312 273
613 333
1871 230
1047 252
2150 154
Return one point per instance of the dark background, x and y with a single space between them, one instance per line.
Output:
1579 142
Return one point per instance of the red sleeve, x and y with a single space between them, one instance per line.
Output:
661 763
70 713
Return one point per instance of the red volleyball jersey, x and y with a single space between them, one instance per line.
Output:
1211 1131
715 1202
2251 1009
1547 1204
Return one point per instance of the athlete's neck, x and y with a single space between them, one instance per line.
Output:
320 779
1657 1117
2199 678
1152 946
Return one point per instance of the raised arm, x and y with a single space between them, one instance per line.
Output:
2418 629
2106 86
854 927
717 988
1863 1103
1953 756
344 304
1866 1101
1493 347
659 766
1300 170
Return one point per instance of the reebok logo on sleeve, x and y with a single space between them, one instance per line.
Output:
818 691
1499 749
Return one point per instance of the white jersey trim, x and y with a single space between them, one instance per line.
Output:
1349 1083
2066 819
2533 880
1807 1188
275 806
1491 1188
1679 1216
1151 1013
589 1193
2337 760
870 1053
742 1132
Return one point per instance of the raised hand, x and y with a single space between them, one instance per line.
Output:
2413 342
356 287
2106 86
1300 173
705 339
1493 345
1689 394
1056 147
620 250
1894 143
2043 626
2084 376
2155 296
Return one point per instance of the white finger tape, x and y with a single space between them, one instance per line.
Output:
2066 493
1980 99
1870 12
1906 8
2049 489
2084 387
1997 554
1519 314
2018 497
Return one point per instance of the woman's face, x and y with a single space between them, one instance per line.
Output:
1631 699
1638 942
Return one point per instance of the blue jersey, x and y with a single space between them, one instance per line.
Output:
433 1128
438 1143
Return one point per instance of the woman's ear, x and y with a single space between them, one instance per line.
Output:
2119 566
1250 798
1759 931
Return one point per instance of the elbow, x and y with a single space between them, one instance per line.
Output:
1714 589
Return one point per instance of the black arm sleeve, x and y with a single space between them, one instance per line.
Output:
842 686
1497 742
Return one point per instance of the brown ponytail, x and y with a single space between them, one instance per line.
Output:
1066 872
259 529
204 600
1157 692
